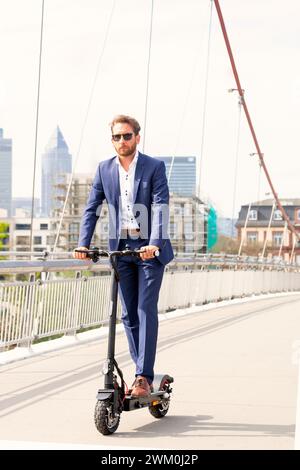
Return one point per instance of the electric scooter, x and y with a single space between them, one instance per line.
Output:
115 397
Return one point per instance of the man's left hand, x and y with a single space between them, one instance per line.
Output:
149 251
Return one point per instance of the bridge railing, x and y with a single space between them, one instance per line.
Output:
63 296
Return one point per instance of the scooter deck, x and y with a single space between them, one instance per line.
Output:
132 403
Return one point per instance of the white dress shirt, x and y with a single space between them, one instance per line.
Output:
126 179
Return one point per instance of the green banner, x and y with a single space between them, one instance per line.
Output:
212 229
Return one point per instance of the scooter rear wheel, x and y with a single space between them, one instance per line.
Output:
160 410
105 423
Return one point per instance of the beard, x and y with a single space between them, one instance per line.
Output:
127 150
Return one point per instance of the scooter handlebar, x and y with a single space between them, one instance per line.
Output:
94 254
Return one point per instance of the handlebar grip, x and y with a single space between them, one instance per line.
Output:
156 252
81 251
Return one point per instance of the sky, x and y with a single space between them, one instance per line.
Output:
265 38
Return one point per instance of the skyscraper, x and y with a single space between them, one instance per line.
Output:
5 173
56 162
183 175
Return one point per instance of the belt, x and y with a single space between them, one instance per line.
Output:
130 232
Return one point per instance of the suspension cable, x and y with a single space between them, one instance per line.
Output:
185 106
293 249
282 239
243 231
260 155
36 125
148 74
236 163
259 182
204 113
184 111
85 122
268 229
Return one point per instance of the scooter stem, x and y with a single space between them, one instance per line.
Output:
108 381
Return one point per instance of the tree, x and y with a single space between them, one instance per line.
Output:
231 246
226 245
4 236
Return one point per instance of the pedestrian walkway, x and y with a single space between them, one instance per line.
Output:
235 385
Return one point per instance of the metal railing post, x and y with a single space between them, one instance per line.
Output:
26 319
74 315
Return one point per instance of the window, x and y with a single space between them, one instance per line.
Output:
23 226
43 226
22 241
253 214
50 240
188 231
252 237
297 214
277 215
74 227
173 230
37 240
178 209
189 248
277 238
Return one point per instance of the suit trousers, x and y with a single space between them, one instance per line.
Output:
139 287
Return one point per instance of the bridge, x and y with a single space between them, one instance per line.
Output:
229 326
229 333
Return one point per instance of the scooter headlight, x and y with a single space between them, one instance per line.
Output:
105 368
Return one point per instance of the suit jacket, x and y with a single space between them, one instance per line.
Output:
150 198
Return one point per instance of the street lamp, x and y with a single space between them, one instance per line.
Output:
241 97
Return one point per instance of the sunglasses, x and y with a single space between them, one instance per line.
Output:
117 137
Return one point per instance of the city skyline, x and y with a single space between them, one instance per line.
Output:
266 46
57 162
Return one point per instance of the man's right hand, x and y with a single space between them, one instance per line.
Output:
80 255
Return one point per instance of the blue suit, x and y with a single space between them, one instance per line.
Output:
140 281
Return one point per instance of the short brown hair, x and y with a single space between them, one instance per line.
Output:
122 118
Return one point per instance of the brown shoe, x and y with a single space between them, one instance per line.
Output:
141 388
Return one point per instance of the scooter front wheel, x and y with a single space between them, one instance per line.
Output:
105 422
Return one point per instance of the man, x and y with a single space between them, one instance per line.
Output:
136 190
